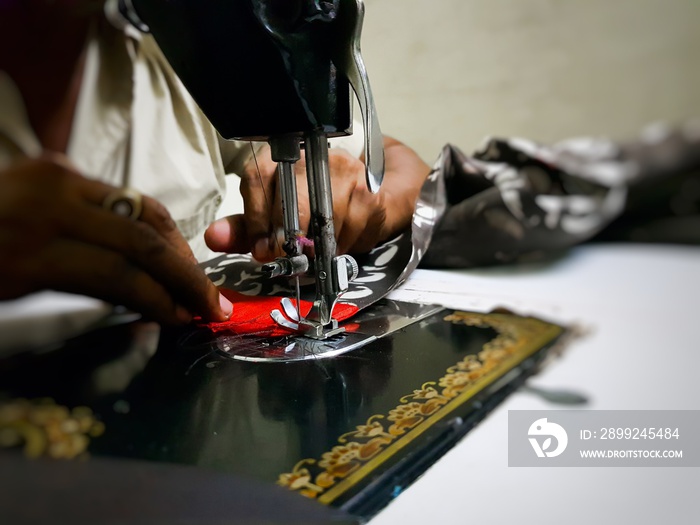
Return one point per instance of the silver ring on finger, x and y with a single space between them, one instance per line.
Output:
125 202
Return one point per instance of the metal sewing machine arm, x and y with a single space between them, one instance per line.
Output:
279 71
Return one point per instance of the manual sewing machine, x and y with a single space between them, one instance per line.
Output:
299 59
349 432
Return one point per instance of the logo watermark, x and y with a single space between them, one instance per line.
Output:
542 427
605 438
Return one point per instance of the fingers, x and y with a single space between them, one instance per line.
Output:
76 267
158 217
160 255
363 224
404 176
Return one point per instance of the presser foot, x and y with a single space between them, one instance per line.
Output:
316 330
308 328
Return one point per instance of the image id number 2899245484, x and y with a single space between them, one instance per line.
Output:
631 433
604 438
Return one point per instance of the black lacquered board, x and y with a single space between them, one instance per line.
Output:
350 431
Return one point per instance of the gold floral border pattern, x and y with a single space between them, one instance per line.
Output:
44 429
362 450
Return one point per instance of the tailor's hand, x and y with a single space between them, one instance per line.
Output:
54 234
361 219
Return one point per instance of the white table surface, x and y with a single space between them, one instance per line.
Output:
640 306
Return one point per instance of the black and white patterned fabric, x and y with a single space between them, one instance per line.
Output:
517 200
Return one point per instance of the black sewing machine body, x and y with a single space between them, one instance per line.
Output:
277 62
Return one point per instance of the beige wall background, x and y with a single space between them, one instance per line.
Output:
459 70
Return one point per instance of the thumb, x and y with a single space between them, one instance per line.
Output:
228 235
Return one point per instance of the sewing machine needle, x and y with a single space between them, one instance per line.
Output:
298 289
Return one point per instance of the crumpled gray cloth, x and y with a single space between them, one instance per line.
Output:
516 200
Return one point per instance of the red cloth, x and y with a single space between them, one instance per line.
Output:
251 314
